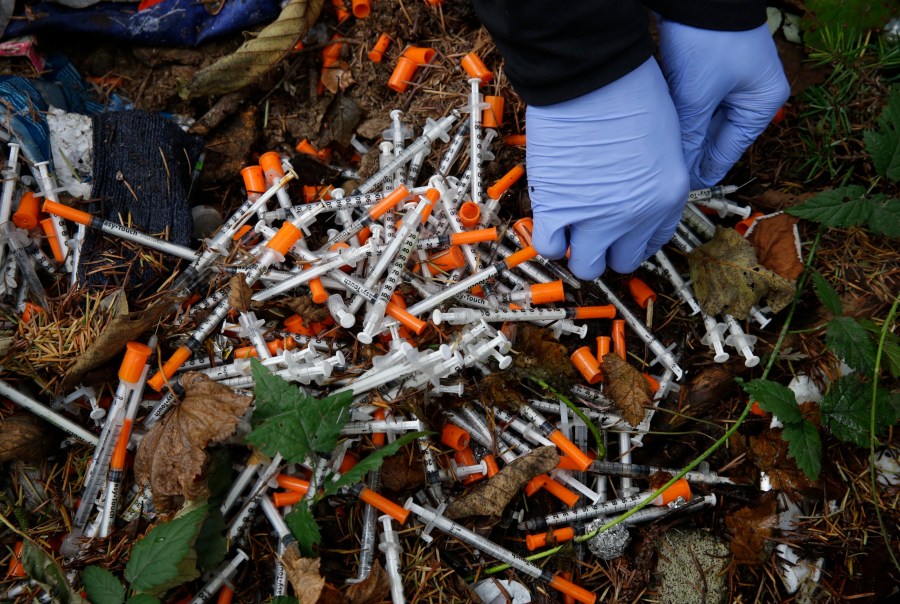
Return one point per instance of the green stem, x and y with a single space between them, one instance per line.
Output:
872 476
715 446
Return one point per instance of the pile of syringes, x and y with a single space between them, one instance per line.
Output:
418 248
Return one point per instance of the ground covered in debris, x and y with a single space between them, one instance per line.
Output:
820 483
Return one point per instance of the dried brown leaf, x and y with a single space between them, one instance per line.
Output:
303 573
399 475
752 529
26 437
239 293
769 453
257 55
340 121
372 589
627 388
308 310
728 278
492 497
543 357
171 456
119 331
777 244
337 77
706 390
496 389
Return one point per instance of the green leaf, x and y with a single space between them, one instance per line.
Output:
304 528
142 599
885 217
165 556
827 295
290 423
845 410
283 600
372 462
804 446
891 355
211 542
776 399
102 586
48 574
842 207
848 340
884 144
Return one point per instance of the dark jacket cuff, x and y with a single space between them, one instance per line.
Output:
721 15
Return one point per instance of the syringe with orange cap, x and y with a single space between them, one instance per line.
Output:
130 376
462 316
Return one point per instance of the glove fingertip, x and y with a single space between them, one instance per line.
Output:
548 241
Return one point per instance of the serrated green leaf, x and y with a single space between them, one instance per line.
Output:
848 340
372 462
776 399
846 412
142 599
165 556
841 207
291 423
890 357
827 295
283 600
102 586
885 217
305 530
805 446
44 570
884 144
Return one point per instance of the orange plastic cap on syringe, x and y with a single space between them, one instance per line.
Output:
270 162
604 345
377 52
26 216
565 495
515 140
254 180
523 255
284 239
306 148
744 225
52 239
361 8
641 292
419 55
570 589
169 368
395 197
524 228
136 355
681 488
455 437
402 75
284 498
469 213
476 68
607 311
586 364
492 116
506 181
450 259
570 449
63 211
394 510
618 337
533 542
317 291
292 483
411 322
477 236
547 293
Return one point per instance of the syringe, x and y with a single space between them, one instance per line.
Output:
644 471
10 178
15 240
434 519
718 191
463 316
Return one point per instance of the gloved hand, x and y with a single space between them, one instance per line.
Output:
606 174
726 86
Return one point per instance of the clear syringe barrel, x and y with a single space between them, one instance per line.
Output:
9 182
351 256
13 239
433 131
221 576
59 224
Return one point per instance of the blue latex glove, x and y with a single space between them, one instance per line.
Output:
606 174
726 86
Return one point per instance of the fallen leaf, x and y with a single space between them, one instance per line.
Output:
259 54
752 529
304 306
543 357
491 498
46 572
398 475
303 573
26 437
627 388
239 293
728 278
496 389
337 77
704 391
171 456
777 244
120 330
372 589
773 200
769 453
341 118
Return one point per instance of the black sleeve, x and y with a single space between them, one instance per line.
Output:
557 51
721 15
